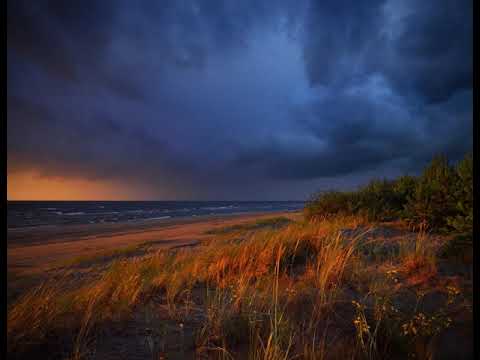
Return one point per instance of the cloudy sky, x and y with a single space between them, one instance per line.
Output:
231 100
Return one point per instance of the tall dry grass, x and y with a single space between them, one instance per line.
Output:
271 291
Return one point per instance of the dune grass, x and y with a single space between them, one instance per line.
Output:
274 223
103 256
303 289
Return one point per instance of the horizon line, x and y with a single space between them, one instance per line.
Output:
120 200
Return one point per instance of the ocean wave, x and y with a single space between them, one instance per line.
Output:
217 207
20 227
135 211
159 218
74 213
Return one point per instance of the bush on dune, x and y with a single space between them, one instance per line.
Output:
378 200
462 220
404 188
441 198
431 202
329 203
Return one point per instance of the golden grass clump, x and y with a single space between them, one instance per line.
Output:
30 319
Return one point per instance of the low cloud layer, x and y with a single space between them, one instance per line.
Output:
237 100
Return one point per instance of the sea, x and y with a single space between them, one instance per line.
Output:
21 214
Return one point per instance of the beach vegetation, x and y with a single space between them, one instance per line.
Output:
352 279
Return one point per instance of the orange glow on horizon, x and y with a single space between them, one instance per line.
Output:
31 186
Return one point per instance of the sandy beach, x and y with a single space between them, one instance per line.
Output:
33 250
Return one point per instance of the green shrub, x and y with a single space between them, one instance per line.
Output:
404 188
441 198
378 200
462 220
432 202
329 203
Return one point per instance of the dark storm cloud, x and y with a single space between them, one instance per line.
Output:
338 35
205 97
424 47
351 134
433 54
58 35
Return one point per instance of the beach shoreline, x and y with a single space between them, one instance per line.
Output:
34 249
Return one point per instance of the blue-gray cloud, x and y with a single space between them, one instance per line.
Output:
228 99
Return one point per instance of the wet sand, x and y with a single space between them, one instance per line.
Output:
33 250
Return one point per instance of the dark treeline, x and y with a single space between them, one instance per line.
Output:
441 198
